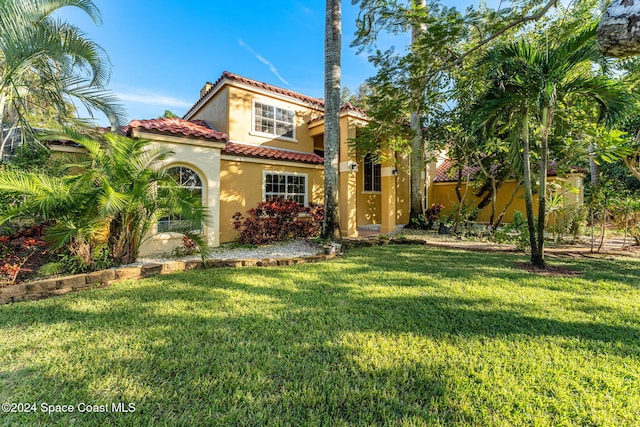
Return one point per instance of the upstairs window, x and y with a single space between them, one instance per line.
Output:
272 120
285 186
372 174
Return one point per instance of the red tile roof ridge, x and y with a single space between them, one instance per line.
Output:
253 144
177 126
345 107
250 150
227 75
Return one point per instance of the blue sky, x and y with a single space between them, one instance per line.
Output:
162 52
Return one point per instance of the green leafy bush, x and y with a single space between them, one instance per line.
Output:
516 232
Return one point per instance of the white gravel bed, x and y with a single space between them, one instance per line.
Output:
291 249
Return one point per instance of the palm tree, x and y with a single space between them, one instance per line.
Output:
531 85
333 37
112 197
48 64
416 212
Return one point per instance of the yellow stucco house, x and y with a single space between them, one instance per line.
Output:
244 141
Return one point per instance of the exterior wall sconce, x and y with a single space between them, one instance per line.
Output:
394 172
348 167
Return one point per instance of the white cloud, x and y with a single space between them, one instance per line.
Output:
262 59
304 9
154 99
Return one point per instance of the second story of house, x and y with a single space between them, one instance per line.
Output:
256 113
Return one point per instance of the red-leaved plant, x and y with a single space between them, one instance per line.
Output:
16 250
277 220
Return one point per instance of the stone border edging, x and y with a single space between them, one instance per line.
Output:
41 289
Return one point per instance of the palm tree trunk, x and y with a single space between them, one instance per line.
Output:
417 145
528 193
417 167
618 31
594 170
547 116
333 39
3 139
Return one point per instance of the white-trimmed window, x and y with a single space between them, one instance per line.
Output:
272 120
372 174
189 180
285 186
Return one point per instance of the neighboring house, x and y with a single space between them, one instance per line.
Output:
244 142
10 140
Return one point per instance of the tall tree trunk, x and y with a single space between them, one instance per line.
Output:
417 167
528 192
417 143
333 40
2 133
633 165
547 117
619 29
594 170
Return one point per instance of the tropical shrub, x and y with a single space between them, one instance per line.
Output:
425 221
187 247
106 203
516 232
277 220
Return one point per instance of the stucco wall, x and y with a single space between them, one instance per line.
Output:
216 112
242 189
205 161
444 193
369 204
241 120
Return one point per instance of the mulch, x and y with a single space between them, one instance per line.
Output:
550 270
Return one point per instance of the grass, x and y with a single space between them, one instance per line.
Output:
390 335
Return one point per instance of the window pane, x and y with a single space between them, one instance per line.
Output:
285 186
377 178
368 173
273 120
284 129
372 174
258 126
264 111
189 180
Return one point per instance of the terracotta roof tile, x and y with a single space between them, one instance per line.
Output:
271 153
316 102
345 107
446 173
174 126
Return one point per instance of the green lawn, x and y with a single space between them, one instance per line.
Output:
389 335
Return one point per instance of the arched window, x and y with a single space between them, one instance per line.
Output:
189 180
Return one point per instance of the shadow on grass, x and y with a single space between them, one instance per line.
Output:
256 345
